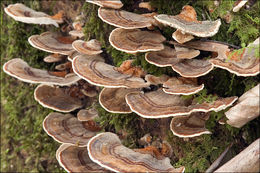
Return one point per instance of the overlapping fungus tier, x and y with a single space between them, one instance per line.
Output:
68 129
135 40
56 98
113 99
106 150
124 19
21 70
102 74
52 42
91 47
190 126
158 104
76 159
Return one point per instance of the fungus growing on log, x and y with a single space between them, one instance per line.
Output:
158 104
21 70
76 159
124 19
113 99
54 58
87 114
65 128
135 40
246 109
190 126
52 42
91 47
21 13
187 22
102 74
106 150
182 86
56 98
116 4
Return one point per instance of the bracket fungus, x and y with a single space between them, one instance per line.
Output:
65 128
54 58
113 99
190 126
154 80
56 98
187 22
87 114
182 86
21 13
238 5
124 19
76 159
116 4
106 150
21 70
135 40
180 37
102 74
52 42
246 109
91 47
158 104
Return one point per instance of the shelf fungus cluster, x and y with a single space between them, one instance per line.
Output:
75 83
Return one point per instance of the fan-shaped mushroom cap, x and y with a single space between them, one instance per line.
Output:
72 55
246 109
87 114
65 128
124 19
135 40
243 62
158 104
76 159
116 4
106 150
21 13
156 80
91 47
187 22
113 99
180 37
190 126
56 98
183 86
102 74
52 42
185 53
77 33
21 70
192 68
54 58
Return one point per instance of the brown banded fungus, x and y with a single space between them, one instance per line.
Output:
246 109
127 68
65 128
158 104
189 68
135 40
243 62
182 86
21 70
21 13
190 126
52 42
87 114
113 99
106 150
154 80
54 58
56 98
180 37
187 22
116 4
91 47
124 19
76 159
102 74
